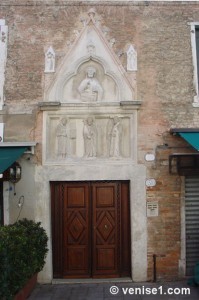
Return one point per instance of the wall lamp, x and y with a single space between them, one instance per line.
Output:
15 172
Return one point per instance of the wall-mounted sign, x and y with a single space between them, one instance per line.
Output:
149 157
152 209
150 182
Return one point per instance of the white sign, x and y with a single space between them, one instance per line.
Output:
150 182
152 209
149 157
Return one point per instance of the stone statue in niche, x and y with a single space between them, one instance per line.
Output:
50 61
114 137
62 135
131 59
90 89
90 137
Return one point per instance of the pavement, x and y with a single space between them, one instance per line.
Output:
112 290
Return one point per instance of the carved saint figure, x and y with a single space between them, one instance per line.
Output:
90 88
90 137
50 61
115 138
91 48
62 138
131 59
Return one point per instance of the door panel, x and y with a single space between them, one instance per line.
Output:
106 229
56 209
125 231
90 229
76 241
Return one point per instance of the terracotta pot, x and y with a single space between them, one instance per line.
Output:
27 289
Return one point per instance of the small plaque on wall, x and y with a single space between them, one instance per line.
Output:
149 157
152 209
150 182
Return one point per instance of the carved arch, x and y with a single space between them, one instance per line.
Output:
67 76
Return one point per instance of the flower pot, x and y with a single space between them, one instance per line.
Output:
27 289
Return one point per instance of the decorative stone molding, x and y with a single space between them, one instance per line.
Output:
3 58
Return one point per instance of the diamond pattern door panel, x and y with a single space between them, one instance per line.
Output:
76 236
106 235
104 227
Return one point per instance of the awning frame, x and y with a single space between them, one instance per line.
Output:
30 145
175 131
184 164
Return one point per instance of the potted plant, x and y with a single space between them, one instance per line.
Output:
23 249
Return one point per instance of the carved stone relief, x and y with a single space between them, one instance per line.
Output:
91 47
99 136
62 135
114 137
90 89
90 84
90 137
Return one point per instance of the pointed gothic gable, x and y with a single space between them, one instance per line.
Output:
90 71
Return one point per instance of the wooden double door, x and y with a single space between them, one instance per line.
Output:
90 229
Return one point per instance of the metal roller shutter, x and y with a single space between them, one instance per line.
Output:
192 222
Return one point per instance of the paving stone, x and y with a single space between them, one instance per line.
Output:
102 292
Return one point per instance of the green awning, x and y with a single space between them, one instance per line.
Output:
190 135
8 155
192 138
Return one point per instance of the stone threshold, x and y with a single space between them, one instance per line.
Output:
91 280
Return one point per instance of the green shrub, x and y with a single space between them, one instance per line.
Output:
23 249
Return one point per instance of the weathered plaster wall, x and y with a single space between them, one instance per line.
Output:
23 192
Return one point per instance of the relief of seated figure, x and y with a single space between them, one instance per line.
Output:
90 89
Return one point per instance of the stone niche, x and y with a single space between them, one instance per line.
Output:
94 136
